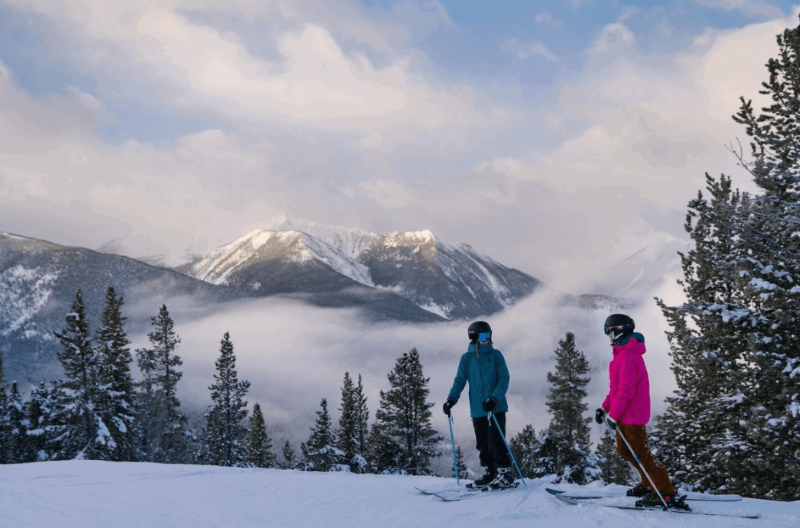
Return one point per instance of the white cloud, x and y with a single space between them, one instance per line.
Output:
523 51
748 7
613 37
388 193
543 18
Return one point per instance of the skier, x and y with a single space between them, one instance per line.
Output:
627 408
485 369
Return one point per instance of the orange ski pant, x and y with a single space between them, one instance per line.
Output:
637 438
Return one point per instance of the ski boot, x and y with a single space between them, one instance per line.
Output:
672 500
483 481
505 479
638 491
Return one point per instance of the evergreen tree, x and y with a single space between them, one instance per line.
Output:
613 468
574 460
525 447
462 467
320 451
115 398
45 412
258 444
362 427
290 461
85 435
4 426
352 436
733 424
17 446
165 437
225 432
402 438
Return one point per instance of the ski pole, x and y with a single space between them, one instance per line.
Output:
500 430
619 431
453 443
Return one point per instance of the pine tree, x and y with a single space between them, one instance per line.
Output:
402 438
320 451
352 425
4 426
17 445
574 461
225 433
362 427
734 423
708 340
85 435
290 461
258 444
462 467
525 447
45 412
613 468
116 400
164 433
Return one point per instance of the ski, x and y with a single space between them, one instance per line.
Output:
689 496
571 500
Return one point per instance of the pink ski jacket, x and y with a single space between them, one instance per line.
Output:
628 399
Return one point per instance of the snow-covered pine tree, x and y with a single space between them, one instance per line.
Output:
613 468
85 435
3 423
44 412
362 426
258 445
402 438
769 278
225 432
319 451
749 330
17 446
350 433
462 467
526 447
165 437
116 399
708 339
290 461
568 427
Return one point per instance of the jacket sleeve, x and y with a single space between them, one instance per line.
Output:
499 392
461 379
626 387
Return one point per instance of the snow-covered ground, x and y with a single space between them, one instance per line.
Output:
89 494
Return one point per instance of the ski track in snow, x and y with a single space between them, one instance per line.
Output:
90 494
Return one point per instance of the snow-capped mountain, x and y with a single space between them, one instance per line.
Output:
445 278
38 282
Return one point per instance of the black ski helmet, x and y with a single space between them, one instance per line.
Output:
618 326
477 328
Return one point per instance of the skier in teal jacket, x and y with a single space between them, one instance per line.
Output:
484 368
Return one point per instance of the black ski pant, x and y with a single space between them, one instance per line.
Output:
493 452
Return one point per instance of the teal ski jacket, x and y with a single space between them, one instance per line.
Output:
487 376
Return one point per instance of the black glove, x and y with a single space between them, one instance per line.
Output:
448 404
489 405
611 423
599 415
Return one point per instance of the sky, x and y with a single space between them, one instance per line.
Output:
557 137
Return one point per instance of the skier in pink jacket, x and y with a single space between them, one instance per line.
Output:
627 408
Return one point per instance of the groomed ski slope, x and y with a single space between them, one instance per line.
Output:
90 494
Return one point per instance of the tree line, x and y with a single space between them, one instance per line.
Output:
98 412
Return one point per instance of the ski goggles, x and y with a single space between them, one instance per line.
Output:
484 336
608 329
